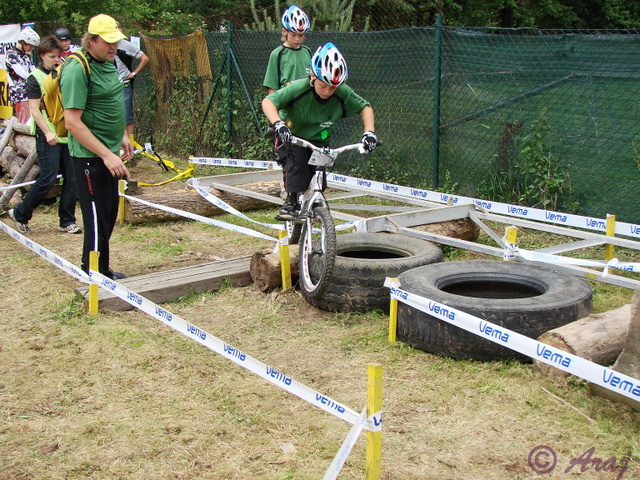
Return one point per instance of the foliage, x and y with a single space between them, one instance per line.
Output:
329 15
173 17
532 176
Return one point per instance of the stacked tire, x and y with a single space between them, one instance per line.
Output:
524 298
363 262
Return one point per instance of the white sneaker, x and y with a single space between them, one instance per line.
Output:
73 228
21 227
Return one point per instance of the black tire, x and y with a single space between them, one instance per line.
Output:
363 261
527 299
316 263
293 230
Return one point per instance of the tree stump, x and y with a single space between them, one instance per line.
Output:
598 338
265 268
629 360
189 200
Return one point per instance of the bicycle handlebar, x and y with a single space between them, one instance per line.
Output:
332 152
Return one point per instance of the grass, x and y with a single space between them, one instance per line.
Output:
121 396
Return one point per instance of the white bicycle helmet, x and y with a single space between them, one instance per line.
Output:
29 36
295 20
329 65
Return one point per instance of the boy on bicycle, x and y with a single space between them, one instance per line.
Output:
311 107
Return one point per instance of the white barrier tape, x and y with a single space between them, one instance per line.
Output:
558 218
546 216
221 204
533 256
18 185
347 445
235 162
239 357
592 372
48 255
200 218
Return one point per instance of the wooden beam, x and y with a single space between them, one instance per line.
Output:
161 287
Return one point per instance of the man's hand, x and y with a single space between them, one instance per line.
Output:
116 166
282 131
370 141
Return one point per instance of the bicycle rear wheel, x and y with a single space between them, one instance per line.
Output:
317 252
293 230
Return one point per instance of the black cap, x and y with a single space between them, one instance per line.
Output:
62 33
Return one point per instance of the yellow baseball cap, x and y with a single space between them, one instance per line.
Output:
106 27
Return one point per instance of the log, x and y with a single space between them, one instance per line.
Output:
598 338
12 163
19 178
187 199
8 132
265 268
18 127
629 360
23 144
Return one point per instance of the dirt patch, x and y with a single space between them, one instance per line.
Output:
120 395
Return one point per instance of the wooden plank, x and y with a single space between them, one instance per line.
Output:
170 285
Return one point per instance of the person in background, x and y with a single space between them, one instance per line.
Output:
64 36
290 60
94 116
19 64
309 108
127 51
53 151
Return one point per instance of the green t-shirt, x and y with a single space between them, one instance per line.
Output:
286 65
311 118
102 103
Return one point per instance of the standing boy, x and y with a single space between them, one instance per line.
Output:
309 108
94 116
290 60
53 151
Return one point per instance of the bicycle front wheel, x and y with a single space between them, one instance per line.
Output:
317 252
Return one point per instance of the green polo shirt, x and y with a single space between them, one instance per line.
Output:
311 118
102 103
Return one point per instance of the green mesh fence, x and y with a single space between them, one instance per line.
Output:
539 118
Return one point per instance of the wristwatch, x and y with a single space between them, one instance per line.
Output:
133 74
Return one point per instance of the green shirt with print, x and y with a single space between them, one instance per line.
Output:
310 117
286 65
102 103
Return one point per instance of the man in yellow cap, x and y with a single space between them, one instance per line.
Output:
95 117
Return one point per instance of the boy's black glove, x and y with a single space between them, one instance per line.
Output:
282 131
370 141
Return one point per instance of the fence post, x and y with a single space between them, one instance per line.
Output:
374 405
229 83
436 102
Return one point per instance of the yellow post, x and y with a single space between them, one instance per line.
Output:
512 233
374 405
609 250
393 317
285 265
93 287
122 186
